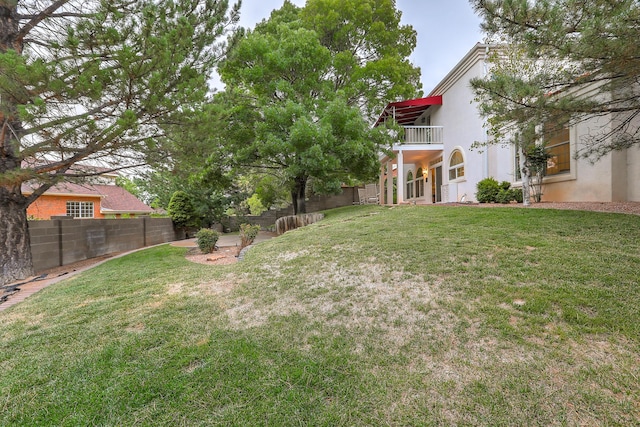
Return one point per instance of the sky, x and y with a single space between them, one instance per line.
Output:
447 30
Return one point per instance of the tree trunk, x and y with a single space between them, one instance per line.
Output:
15 250
298 196
526 179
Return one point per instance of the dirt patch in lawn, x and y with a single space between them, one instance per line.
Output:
222 256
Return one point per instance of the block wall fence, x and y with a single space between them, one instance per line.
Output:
61 241
348 197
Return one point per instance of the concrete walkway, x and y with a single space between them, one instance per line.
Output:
225 240
30 288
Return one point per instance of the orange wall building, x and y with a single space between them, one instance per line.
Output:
85 201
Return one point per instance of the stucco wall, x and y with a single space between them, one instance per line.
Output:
615 177
463 127
633 174
604 180
633 167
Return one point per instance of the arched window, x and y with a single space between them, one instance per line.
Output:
409 185
456 165
419 183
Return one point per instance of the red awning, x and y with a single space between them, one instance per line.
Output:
406 112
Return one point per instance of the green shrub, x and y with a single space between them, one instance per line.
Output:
504 196
507 195
517 194
181 210
248 233
206 240
504 185
488 190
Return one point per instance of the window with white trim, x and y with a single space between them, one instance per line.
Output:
80 209
409 185
419 183
456 165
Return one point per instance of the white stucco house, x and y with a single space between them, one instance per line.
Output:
435 163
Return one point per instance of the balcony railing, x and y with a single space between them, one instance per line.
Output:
423 134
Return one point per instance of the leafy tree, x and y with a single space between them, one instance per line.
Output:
195 161
564 49
270 191
369 48
182 212
304 94
255 205
93 82
209 199
132 185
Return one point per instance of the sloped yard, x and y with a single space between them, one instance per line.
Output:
374 316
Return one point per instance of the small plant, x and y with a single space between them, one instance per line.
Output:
206 240
248 233
488 190
516 194
504 196
536 158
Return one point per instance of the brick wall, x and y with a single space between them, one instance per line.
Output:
64 241
47 206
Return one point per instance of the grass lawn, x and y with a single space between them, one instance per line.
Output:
374 316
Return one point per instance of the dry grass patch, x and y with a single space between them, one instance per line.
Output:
404 316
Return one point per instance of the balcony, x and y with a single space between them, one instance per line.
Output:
423 135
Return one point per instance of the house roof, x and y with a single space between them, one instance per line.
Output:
406 112
118 200
113 199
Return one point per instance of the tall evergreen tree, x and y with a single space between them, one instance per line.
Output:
92 82
566 61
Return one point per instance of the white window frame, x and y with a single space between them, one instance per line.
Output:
419 183
457 166
409 186
80 209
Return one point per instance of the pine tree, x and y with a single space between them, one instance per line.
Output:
565 61
93 83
